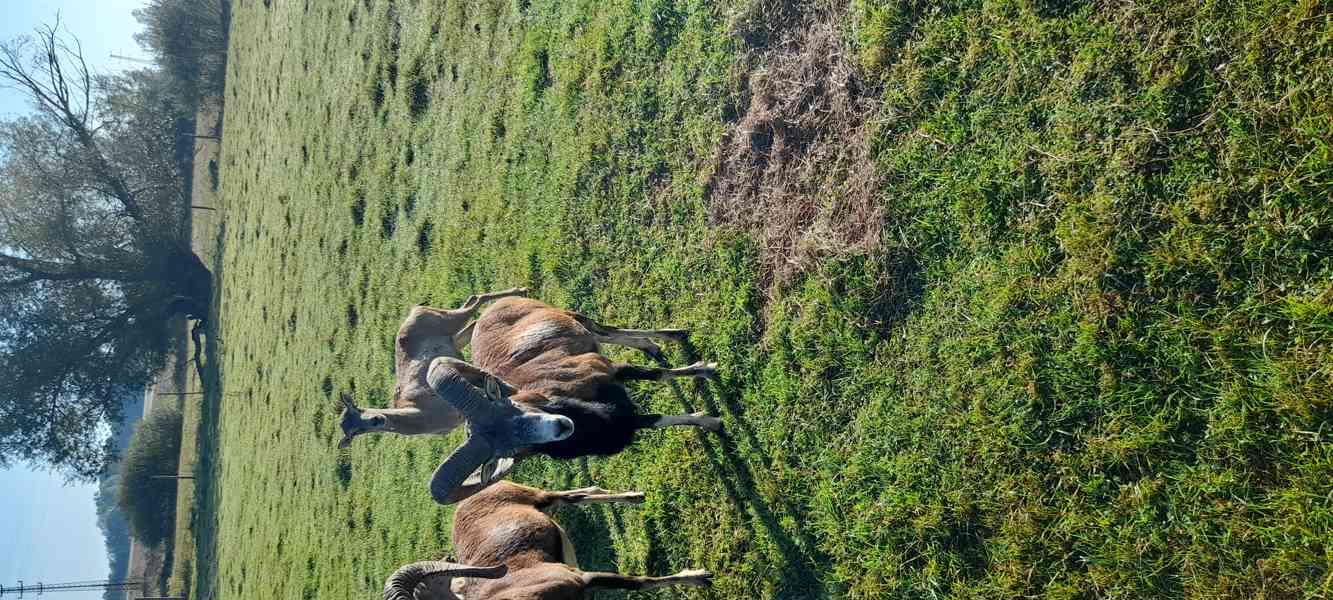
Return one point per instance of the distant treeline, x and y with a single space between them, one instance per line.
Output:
115 532
115 529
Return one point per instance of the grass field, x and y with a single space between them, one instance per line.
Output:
1012 299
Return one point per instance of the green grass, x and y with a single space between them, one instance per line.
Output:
1092 356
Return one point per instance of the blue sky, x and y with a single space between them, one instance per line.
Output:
104 27
48 531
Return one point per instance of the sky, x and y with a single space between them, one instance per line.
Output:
48 531
104 27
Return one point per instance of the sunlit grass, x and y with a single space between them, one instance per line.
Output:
1091 357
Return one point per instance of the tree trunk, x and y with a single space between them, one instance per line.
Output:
185 274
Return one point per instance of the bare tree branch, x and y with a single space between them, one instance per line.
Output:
54 94
39 270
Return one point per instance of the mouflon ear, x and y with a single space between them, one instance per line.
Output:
348 404
492 471
351 421
499 391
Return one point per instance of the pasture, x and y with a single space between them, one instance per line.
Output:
1010 298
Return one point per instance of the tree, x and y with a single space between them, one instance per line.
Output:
94 251
189 38
149 501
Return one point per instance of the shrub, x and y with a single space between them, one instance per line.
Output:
150 503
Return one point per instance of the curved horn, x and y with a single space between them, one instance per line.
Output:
452 386
348 403
455 470
481 478
403 582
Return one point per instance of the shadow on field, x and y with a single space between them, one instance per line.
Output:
591 528
802 563
207 472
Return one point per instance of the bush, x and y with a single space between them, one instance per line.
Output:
150 503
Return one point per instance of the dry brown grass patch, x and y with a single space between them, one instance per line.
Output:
796 168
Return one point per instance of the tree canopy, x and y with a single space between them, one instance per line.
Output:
94 249
154 450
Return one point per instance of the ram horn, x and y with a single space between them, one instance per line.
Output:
403 583
451 473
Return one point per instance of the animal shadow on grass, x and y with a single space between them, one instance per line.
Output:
590 527
656 560
803 563
343 471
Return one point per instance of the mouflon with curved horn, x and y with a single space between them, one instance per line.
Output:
506 525
426 334
542 365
